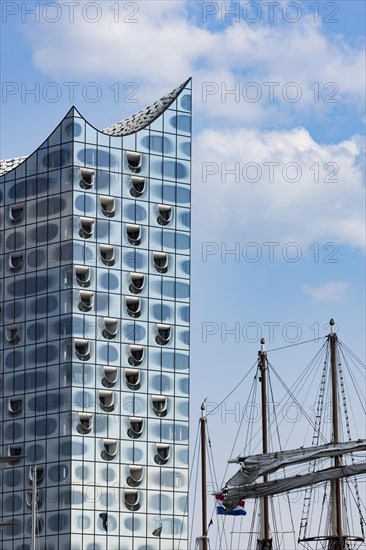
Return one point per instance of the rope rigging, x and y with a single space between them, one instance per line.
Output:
297 394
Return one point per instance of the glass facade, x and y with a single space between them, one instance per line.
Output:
95 294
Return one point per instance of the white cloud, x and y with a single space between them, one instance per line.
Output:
332 291
167 44
245 196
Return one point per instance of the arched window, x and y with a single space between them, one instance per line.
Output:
164 214
137 282
133 379
110 376
164 334
12 334
133 306
161 262
86 178
110 449
82 349
82 274
136 355
85 423
110 328
131 499
136 475
108 206
159 405
16 261
16 212
15 405
133 233
162 453
134 161
106 400
86 300
136 427
86 227
15 451
107 254
137 186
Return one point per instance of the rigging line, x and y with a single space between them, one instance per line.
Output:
222 532
308 504
274 515
275 523
354 382
297 403
310 385
304 378
290 394
349 517
274 410
236 437
352 354
211 464
232 391
291 516
213 478
312 364
305 374
358 504
297 344
322 510
296 383
252 402
241 531
344 391
252 525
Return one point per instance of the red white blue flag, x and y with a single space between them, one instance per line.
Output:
221 510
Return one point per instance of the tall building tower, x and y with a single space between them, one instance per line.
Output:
95 274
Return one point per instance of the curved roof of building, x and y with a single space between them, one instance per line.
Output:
129 125
9 164
143 118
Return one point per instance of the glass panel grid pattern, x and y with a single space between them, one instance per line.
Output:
95 291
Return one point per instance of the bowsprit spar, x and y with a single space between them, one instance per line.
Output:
318 486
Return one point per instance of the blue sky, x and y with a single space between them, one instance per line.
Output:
303 223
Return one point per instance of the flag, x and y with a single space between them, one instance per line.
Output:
221 510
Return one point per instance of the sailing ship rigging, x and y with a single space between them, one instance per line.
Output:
258 477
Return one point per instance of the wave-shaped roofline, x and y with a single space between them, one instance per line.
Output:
143 118
129 125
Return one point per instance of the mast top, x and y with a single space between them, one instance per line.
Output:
332 323
262 343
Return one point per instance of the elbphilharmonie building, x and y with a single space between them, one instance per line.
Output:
94 373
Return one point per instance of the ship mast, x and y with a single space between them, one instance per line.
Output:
203 540
337 539
265 541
